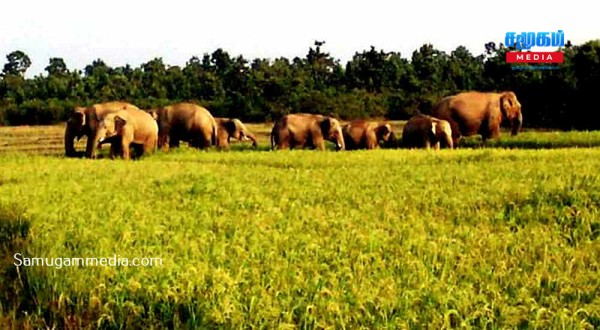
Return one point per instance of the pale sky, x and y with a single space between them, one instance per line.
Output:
133 32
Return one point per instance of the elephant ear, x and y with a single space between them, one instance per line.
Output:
383 130
154 114
230 127
326 125
505 104
77 118
434 126
119 123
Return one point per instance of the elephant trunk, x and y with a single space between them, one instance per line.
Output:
516 124
92 142
70 141
252 138
392 141
449 142
339 143
214 134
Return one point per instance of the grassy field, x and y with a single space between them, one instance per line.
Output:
489 237
48 140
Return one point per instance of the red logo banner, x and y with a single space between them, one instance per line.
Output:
534 57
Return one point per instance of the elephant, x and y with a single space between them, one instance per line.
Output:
85 121
306 130
472 113
228 128
422 131
185 122
129 127
361 134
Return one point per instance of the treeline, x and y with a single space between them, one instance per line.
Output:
373 84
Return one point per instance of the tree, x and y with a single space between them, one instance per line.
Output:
465 70
57 67
586 68
17 65
322 67
97 81
154 73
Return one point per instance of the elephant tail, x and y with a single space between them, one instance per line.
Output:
273 132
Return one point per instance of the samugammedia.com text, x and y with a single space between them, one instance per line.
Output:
114 261
534 67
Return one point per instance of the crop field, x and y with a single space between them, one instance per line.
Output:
502 234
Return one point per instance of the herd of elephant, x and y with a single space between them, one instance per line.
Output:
123 125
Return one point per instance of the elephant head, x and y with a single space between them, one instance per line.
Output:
511 111
110 127
384 133
153 113
237 130
442 132
76 128
332 131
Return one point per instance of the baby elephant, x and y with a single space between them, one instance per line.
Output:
124 128
361 134
303 130
228 128
423 131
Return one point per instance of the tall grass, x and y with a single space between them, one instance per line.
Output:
300 239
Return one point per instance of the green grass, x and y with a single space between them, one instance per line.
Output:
488 238
539 140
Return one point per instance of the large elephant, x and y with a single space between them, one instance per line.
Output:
362 134
84 121
228 128
185 122
422 131
129 127
304 130
472 113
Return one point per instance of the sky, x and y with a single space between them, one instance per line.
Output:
133 32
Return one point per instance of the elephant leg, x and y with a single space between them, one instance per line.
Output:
495 133
126 152
284 142
371 144
316 142
163 142
114 149
427 144
206 142
283 145
174 142
138 150
90 149
150 145
196 143
455 133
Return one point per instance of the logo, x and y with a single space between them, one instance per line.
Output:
526 40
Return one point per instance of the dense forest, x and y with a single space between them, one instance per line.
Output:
373 84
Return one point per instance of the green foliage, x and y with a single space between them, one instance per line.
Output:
17 64
374 83
298 239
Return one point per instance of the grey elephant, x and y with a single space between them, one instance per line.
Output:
126 128
303 130
362 134
85 121
228 128
422 131
185 122
473 113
